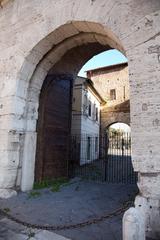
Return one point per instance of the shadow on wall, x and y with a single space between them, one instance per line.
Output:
122 107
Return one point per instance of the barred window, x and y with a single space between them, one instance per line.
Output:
113 94
96 144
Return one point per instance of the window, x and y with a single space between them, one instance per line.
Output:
89 108
85 99
88 148
113 94
96 144
96 113
85 105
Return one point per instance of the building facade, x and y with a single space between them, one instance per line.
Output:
85 125
112 82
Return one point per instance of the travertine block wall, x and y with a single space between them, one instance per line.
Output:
105 79
111 77
34 36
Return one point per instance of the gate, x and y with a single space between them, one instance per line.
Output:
53 128
106 158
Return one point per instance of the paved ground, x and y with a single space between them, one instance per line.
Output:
12 231
74 203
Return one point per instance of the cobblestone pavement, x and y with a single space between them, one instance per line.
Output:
76 202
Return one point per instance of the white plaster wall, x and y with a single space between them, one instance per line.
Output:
90 128
88 122
83 125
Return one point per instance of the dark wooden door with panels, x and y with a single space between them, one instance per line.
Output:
53 128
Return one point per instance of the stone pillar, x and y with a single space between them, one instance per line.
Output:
133 225
28 164
148 204
9 161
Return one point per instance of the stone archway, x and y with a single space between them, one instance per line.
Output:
84 45
114 118
27 57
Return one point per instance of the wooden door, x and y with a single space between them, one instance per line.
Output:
53 128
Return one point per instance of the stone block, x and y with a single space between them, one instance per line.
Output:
41 235
7 193
7 177
133 225
149 185
9 159
149 209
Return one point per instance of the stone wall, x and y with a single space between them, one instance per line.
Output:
35 36
106 79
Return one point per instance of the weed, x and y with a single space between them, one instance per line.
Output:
30 234
55 188
34 194
43 184
7 210
54 184
58 183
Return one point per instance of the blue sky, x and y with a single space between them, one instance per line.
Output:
103 59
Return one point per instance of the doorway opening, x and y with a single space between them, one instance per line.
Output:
119 162
70 132
83 131
72 140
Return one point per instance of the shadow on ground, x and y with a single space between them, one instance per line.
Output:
76 202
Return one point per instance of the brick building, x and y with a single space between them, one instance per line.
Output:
112 82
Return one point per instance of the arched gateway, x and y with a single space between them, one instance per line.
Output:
41 39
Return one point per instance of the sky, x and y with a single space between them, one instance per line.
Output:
122 126
106 58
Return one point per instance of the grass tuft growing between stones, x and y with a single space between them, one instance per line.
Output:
31 234
54 184
34 194
7 210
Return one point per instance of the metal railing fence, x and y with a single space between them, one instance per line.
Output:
104 158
